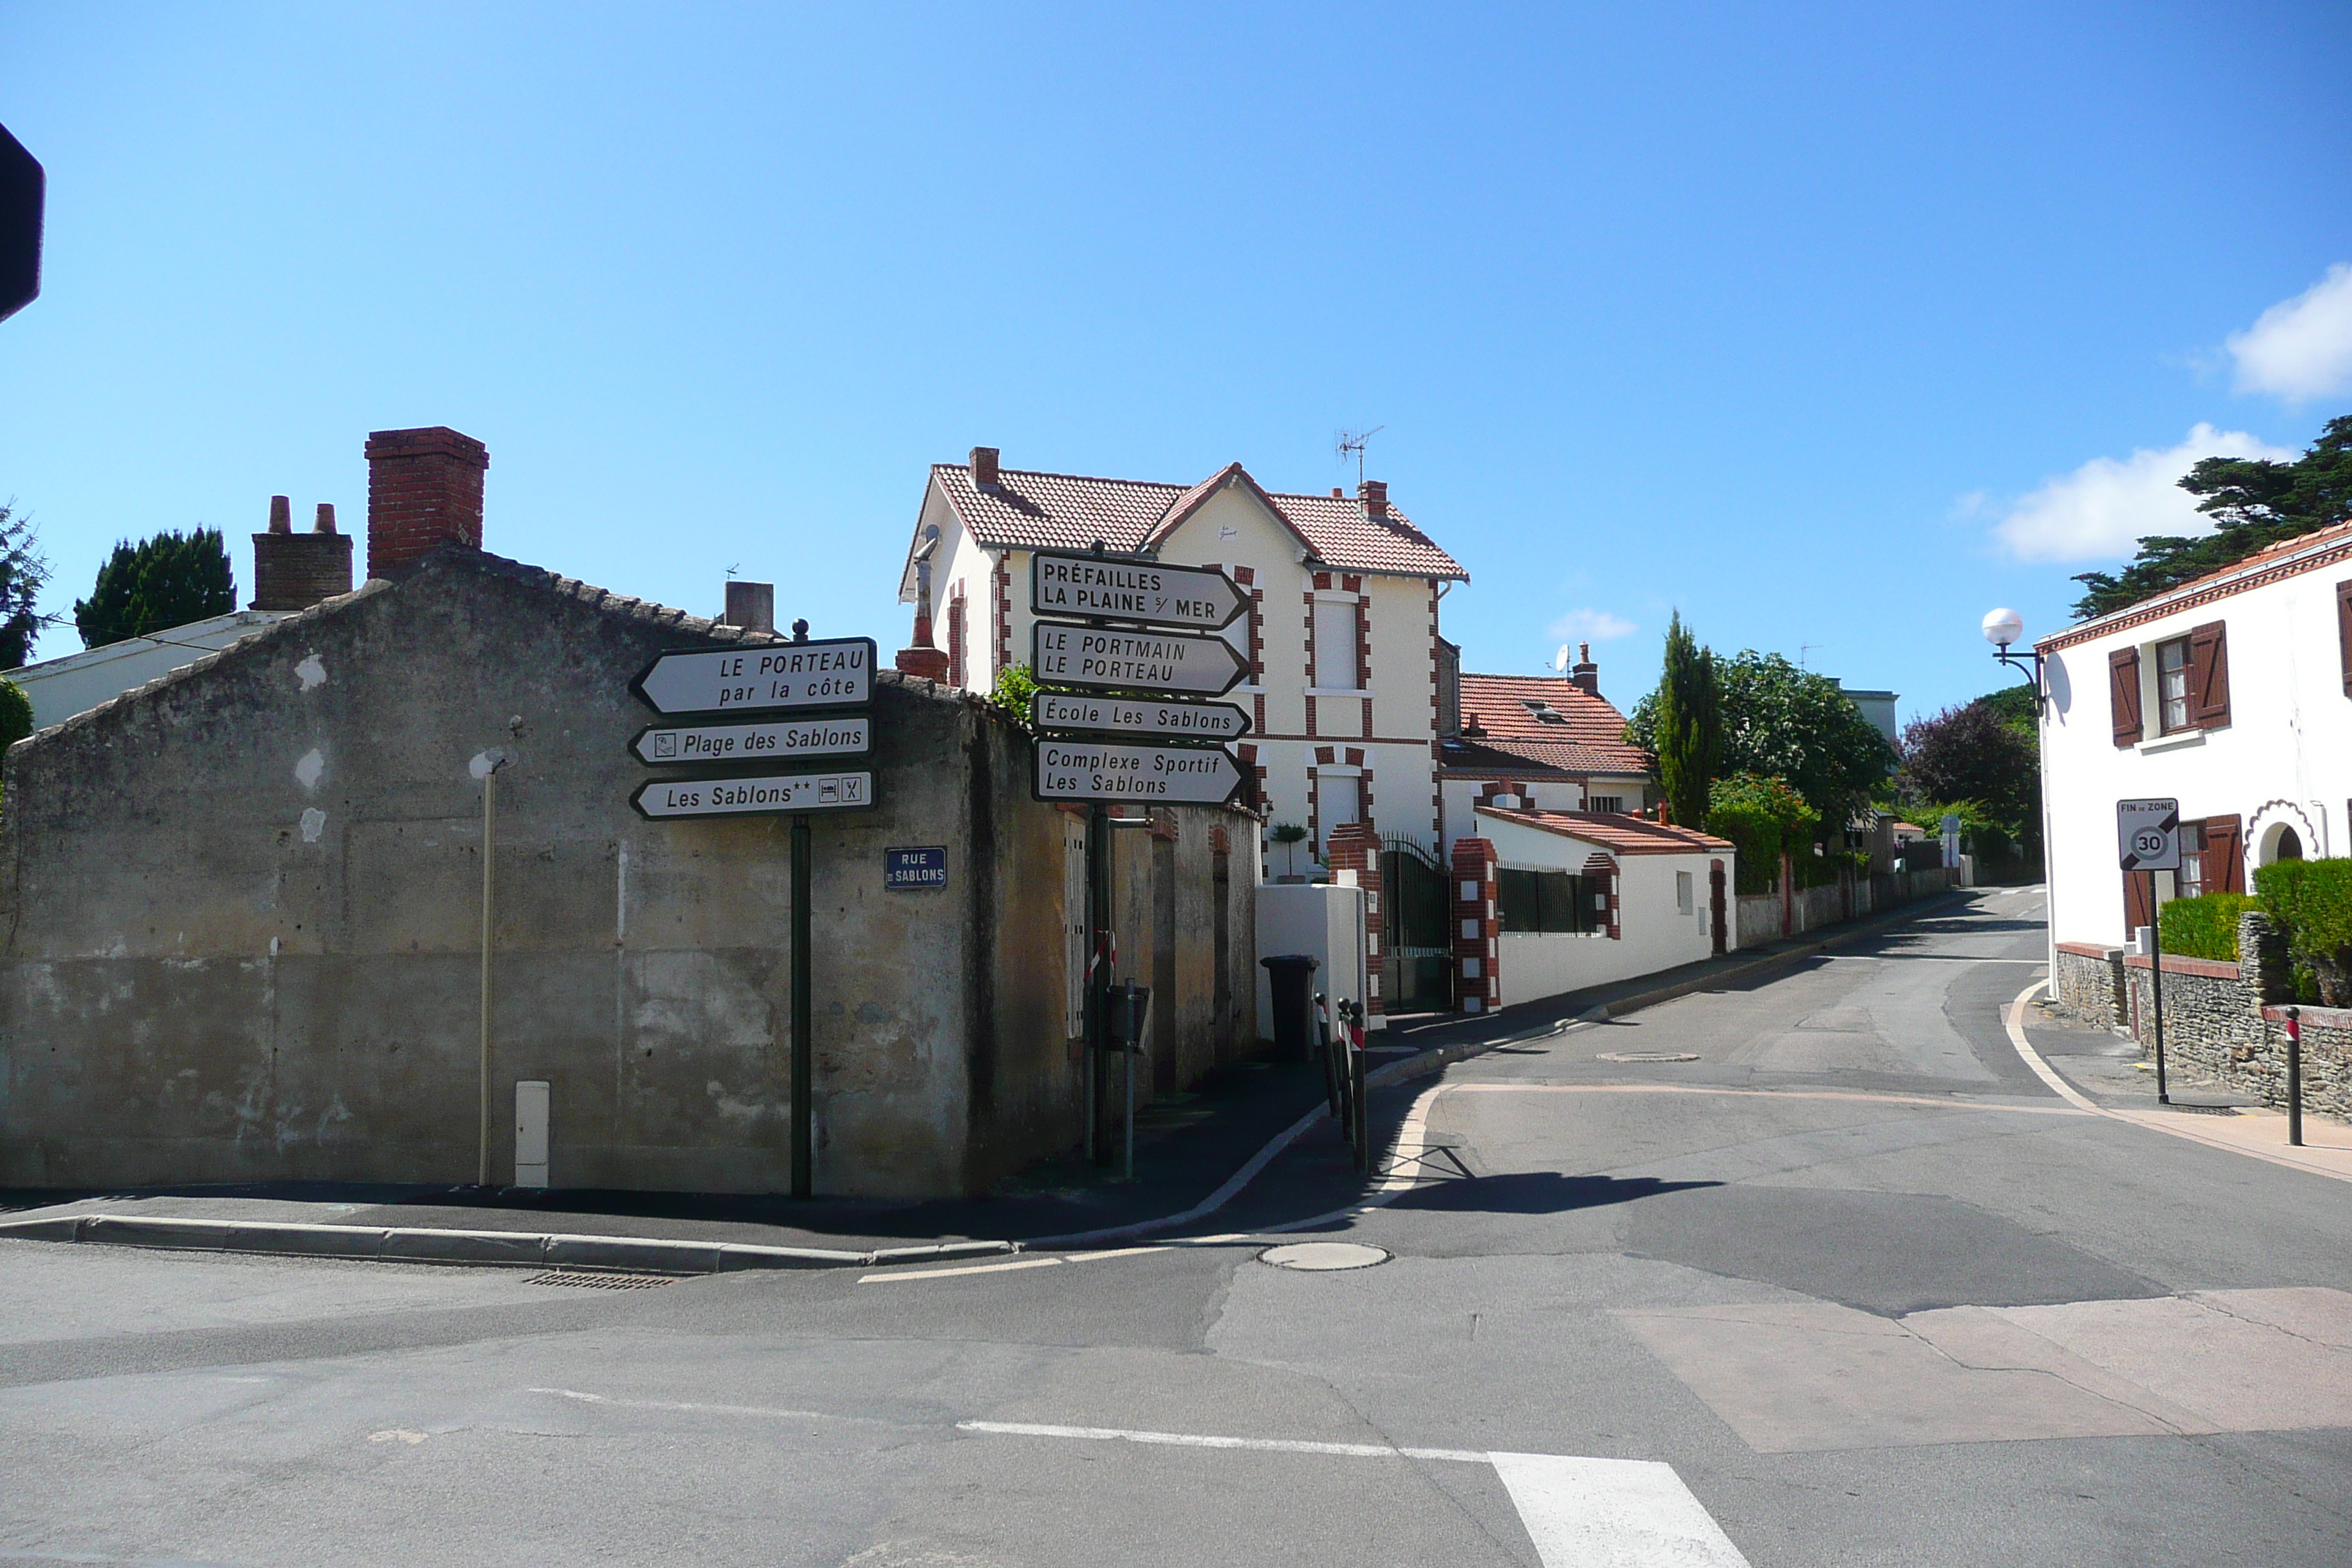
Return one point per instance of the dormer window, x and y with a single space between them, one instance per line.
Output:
1544 711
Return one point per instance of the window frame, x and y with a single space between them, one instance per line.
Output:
2184 672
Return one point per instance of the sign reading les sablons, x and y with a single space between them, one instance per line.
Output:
666 799
1106 587
837 672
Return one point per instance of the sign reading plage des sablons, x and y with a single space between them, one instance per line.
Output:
775 739
837 672
665 799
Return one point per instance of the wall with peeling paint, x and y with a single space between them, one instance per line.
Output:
242 905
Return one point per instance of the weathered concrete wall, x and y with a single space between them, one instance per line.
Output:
242 913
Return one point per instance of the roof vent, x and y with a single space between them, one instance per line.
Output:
984 467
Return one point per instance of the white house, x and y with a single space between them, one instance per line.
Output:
2231 694
1554 741
1341 634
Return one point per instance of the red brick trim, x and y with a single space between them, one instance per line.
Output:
1477 987
2088 950
2156 609
2174 963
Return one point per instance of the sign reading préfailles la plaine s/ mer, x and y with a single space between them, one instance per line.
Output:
1105 587
837 672
666 799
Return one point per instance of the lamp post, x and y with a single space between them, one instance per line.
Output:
2002 628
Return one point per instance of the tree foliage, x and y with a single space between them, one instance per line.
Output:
1780 722
16 714
1764 819
1015 692
2255 503
22 574
158 583
1973 752
1688 707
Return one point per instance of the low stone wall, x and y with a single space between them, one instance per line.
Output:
2087 983
2226 1023
1762 918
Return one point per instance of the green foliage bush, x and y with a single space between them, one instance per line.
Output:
2312 900
1016 692
2205 926
1761 817
16 714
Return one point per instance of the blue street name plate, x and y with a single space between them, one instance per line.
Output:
923 868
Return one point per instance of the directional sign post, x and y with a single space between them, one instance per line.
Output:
1102 587
2147 835
775 796
1160 775
835 673
1172 664
775 739
1138 719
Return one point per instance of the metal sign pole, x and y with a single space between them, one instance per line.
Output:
1097 979
803 1049
2155 983
490 864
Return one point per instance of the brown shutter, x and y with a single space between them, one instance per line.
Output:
2225 855
2344 629
2123 695
2137 909
2209 677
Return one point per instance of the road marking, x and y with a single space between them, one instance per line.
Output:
1581 1513
1612 1513
886 1275
2015 1019
1754 1093
762 1410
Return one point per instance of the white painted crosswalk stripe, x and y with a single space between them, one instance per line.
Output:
1581 1513
1612 1513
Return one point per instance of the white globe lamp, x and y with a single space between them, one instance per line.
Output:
2003 627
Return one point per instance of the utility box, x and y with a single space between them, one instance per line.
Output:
1328 922
530 1133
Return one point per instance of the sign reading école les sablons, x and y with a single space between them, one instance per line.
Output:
1138 718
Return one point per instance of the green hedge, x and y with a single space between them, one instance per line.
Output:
16 714
2204 928
2312 901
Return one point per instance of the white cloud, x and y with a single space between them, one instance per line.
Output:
1592 626
2301 348
2100 511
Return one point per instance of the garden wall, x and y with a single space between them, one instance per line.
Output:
2225 1024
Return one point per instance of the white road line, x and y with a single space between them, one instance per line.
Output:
887 1275
1581 1513
769 1412
2015 1019
1612 1513
1940 1104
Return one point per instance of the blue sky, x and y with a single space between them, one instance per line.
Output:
1832 327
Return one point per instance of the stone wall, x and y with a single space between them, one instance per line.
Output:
1760 917
2224 1024
2086 982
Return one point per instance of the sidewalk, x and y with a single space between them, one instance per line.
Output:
1190 1149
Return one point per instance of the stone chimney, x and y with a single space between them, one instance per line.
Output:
921 657
1584 672
1374 493
294 570
984 467
751 605
425 490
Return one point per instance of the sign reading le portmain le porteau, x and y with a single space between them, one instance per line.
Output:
1175 663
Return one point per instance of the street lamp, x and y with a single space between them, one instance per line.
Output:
2003 627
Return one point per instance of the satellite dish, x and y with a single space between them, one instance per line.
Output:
1559 660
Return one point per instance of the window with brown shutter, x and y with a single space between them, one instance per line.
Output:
2123 694
2209 677
2344 629
2225 855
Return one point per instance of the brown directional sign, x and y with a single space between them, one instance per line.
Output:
1100 658
1110 588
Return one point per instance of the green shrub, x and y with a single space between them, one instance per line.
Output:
16 714
2312 900
1016 691
2203 928
1763 817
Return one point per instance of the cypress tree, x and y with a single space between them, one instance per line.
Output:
158 583
1689 725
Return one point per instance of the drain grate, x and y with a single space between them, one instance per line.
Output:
1647 1056
596 1281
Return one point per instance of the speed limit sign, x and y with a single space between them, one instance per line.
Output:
2148 832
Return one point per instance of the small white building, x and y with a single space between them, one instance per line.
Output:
61 688
1341 634
2231 694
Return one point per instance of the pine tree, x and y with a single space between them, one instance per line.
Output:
158 583
22 573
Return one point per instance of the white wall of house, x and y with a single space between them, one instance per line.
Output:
61 688
2283 762
1655 930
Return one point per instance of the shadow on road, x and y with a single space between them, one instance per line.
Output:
1536 1191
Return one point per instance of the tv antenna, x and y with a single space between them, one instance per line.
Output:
1804 648
1354 441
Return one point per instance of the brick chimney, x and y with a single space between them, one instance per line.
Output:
294 570
751 605
1374 493
1584 672
425 490
984 467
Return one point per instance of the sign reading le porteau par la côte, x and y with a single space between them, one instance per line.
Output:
755 796
1139 718
835 673
1096 588
775 739
1105 770
1175 663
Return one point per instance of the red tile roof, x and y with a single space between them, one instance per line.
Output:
1623 835
1027 510
2289 557
1550 721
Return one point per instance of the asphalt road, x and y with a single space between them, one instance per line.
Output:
1851 1286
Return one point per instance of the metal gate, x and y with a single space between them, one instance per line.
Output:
1417 961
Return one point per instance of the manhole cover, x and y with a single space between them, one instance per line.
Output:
1323 1254
1647 1056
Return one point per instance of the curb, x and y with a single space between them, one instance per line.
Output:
504 1249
